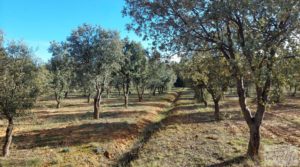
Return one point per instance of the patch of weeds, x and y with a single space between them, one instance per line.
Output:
65 150
35 162
268 141
98 150
56 160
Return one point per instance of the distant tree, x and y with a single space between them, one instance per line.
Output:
161 76
292 72
154 74
97 54
200 94
43 80
247 33
2 55
212 73
117 82
18 89
140 75
133 69
61 71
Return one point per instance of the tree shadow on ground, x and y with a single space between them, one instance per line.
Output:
230 162
61 118
191 118
141 104
75 135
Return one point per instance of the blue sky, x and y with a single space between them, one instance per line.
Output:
37 22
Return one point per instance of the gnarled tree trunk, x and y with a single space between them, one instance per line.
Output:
216 99
119 91
107 93
8 137
97 103
254 141
66 94
58 104
217 109
89 98
295 91
58 100
253 122
154 91
140 93
126 100
126 93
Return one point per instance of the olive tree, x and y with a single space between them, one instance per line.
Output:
161 75
292 73
18 89
247 33
61 70
211 72
97 53
133 69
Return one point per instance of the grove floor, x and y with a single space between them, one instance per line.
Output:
165 130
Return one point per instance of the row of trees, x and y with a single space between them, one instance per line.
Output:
254 38
209 73
92 60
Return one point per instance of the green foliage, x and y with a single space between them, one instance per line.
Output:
96 53
60 70
161 75
43 80
18 89
134 66
213 72
247 33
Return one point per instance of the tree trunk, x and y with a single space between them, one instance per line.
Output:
66 94
126 100
217 110
205 103
97 102
107 93
154 91
140 93
295 91
58 104
140 98
57 98
8 137
254 142
119 91
253 122
89 98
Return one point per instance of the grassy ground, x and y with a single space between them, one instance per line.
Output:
166 130
189 136
70 137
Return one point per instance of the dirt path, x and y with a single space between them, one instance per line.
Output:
189 136
149 130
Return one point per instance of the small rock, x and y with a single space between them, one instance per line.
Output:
107 154
97 150
196 136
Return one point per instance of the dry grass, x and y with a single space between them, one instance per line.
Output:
70 137
191 137
155 132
